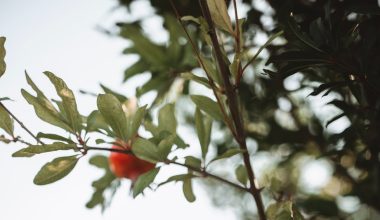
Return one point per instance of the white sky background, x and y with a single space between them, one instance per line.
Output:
60 36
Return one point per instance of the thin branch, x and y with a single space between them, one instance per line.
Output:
233 107
200 171
21 124
207 174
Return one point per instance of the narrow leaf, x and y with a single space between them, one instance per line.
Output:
137 120
68 101
46 114
203 125
195 78
188 190
146 150
3 65
208 105
55 170
6 122
38 149
144 180
219 14
229 153
241 174
166 119
111 109
54 137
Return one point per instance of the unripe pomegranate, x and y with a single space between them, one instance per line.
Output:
127 165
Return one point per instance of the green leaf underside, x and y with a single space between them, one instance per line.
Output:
55 170
146 150
144 181
38 149
219 14
68 101
166 119
46 112
283 211
112 112
241 174
3 65
203 126
188 190
6 122
208 105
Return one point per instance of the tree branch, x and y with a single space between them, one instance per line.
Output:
233 104
21 124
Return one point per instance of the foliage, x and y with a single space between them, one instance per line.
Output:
328 49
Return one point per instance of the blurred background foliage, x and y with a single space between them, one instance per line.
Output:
311 99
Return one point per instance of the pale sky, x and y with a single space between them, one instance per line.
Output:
61 37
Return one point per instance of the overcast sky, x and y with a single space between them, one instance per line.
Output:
60 36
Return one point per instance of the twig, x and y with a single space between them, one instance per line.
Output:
195 169
234 108
207 174
21 124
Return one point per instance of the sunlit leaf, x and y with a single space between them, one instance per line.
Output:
38 149
68 101
55 170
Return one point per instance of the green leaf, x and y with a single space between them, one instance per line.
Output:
195 78
219 14
208 105
6 122
4 99
112 111
203 125
193 162
283 211
229 153
44 112
188 190
38 149
68 101
55 170
100 161
108 182
176 178
3 65
144 180
150 52
119 96
137 120
138 67
54 137
96 121
241 174
166 119
165 145
146 150
301 36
